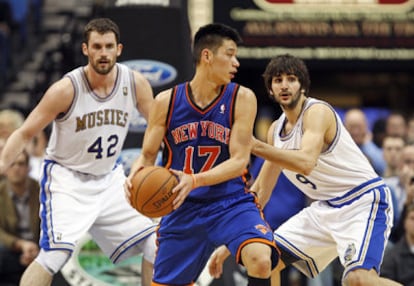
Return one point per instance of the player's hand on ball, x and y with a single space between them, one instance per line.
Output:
128 184
215 266
184 187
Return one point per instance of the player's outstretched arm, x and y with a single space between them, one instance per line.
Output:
55 101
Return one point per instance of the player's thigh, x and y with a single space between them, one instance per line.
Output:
305 240
67 209
181 256
120 230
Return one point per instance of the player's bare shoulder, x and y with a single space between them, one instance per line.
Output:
161 105
246 93
246 102
320 111
59 95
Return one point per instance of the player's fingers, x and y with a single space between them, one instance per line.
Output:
215 268
178 201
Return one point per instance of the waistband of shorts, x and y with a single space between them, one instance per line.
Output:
357 192
91 176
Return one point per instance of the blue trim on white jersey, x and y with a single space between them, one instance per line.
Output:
47 241
134 240
356 192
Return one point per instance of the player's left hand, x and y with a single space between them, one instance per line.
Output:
184 187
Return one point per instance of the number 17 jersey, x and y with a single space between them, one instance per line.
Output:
197 139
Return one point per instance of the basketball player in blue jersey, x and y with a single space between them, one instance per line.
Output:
82 182
206 126
351 215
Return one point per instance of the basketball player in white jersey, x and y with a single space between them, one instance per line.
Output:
351 215
82 182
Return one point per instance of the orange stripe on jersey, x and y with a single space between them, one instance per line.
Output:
169 153
171 106
168 121
233 102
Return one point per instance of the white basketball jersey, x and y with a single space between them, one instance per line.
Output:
338 170
90 136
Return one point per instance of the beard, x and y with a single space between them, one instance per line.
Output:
293 103
105 69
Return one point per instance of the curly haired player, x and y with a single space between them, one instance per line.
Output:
351 215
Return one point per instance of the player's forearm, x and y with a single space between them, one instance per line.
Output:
14 146
294 160
229 169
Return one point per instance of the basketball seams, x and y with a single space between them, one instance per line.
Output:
149 201
151 192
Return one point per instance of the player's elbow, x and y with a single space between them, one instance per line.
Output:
240 168
306 167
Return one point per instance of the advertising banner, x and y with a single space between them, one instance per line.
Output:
322 29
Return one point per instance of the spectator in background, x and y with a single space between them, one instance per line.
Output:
19 220
392 147
410 130
10 120
396 125
398 263
402 188
378 131
356 123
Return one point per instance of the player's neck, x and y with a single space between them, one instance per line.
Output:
101 84
204 91
292 114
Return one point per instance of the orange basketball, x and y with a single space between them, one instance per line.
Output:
151 192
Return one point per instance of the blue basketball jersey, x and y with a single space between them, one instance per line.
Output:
197 139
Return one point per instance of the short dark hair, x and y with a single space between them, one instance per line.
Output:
211 36
287 64
102 26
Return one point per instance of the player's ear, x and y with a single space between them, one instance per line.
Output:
85 49
206 55
119 49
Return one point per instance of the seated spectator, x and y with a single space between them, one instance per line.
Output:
398 263
402 188
10 120
356 123
410 130
392 147
378 131
396 124
19 220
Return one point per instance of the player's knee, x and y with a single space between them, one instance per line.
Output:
357 277
52 261
258 265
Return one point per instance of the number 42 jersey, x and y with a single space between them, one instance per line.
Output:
89 137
